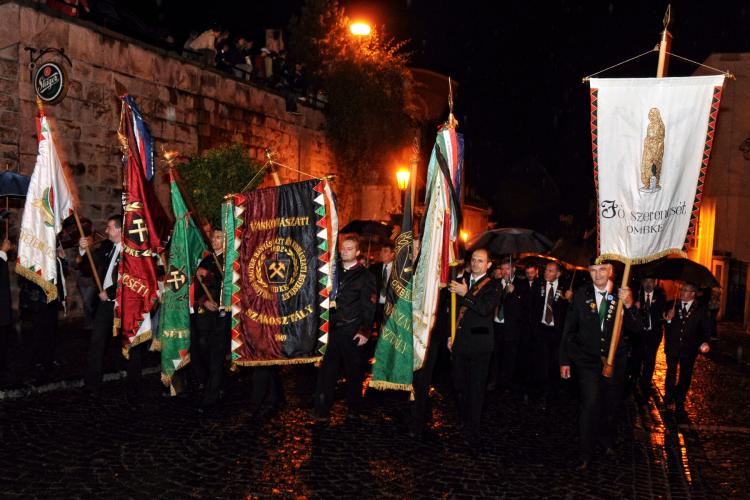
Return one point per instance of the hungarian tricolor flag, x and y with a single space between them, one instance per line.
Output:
281 256
394 353
144 228
186 248
439 242
49 200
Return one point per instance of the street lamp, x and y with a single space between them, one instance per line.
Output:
360 29
464 235
402 180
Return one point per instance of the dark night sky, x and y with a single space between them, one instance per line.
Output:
521 104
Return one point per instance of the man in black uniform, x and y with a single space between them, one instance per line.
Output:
6 313
381 272
210 332
351 321
652 301
106 258
585 345
478 297
688 332
510 319
548 304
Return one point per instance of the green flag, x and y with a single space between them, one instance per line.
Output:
187 247
394 353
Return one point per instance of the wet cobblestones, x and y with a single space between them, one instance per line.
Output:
62 445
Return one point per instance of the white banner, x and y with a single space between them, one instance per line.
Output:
652 140
48 203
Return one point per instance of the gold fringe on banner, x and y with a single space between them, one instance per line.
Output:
145 337
271 362
49 288
641 260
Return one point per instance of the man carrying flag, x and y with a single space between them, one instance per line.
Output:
186 249
49 200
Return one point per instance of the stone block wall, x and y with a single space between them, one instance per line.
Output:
188 108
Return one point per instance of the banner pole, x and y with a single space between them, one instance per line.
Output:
88 254
661 71
609 366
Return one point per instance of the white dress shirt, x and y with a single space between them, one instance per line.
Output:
547 286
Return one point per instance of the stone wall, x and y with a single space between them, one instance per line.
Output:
188 108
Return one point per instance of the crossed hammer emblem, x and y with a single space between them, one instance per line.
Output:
277 269
177 279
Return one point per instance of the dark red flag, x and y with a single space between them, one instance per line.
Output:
144 228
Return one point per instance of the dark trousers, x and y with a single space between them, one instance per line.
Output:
5 332
208 350
134 369
342 349
470 380
44 329
101 332
89 297
266 387
675 388
505 356
421 382
545 360
651 342
599 397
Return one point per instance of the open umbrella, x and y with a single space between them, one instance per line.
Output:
576 253
372 230
12 185
679 269
510 240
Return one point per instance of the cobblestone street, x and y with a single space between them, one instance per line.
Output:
62 445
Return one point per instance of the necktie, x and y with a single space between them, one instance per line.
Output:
647 310
684 310
501 312
603 307
548 316
385 280
471 283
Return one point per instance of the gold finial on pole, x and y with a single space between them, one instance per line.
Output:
452 122
664 45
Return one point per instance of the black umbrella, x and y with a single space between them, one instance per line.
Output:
13 184
371 229
679 269
576 253
510 240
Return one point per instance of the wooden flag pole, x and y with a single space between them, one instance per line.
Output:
661 71
94 272
208 293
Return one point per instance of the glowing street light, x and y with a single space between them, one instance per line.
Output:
402 178
464 236
360 29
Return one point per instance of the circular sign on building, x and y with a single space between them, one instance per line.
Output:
50 82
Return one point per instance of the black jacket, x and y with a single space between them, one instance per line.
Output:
377 273
653 314
356 297
205 319
474 331
514 303
537 302
684 336
102 255
583 339
6 314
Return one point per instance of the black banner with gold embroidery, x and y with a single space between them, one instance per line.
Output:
280 310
